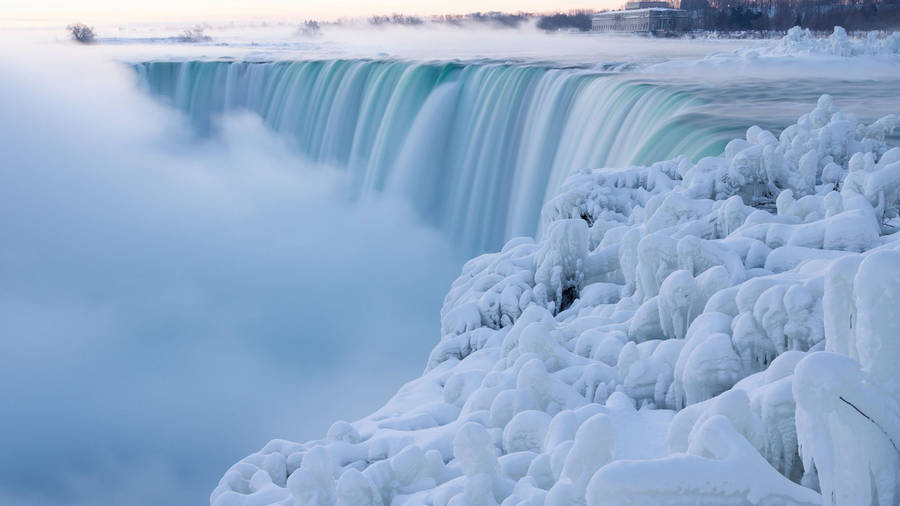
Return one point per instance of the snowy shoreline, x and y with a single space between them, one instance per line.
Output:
678 333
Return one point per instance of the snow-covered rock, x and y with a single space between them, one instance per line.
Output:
802 41
718 332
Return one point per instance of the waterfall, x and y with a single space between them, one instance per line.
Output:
476 148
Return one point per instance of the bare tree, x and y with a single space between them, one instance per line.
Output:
194 35
81 32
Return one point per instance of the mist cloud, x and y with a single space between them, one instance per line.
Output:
168 304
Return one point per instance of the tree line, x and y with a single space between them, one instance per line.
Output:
780 15
710 15
762 15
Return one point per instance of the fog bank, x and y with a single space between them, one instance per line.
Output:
169 304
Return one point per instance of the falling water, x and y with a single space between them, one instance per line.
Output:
476 148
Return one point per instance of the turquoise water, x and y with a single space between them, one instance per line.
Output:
476 148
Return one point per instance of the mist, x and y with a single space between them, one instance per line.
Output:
169 303
274 39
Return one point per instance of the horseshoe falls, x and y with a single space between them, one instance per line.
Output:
662 332
447 266
476 148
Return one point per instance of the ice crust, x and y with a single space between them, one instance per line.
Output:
799 55
719 332
801 41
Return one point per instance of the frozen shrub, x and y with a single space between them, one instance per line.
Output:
81 33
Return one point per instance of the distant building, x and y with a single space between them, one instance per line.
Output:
630 6
643 17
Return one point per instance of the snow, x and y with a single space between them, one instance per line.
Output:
799 55
720 467
802 41
718 332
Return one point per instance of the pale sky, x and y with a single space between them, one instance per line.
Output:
134 10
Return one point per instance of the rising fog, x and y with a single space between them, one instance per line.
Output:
169 304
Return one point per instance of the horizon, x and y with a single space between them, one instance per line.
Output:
198 10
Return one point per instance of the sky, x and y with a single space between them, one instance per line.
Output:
131 10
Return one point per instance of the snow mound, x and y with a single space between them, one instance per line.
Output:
803 42
799 41
719 332
798 55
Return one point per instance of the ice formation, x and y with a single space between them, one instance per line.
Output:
719 332
802 41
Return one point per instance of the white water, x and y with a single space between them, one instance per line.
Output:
476 147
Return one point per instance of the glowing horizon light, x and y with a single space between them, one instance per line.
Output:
159 10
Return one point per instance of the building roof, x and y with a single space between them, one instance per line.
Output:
629 11
644 4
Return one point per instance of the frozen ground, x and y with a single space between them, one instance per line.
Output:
874 56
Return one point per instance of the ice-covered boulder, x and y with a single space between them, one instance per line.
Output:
720 468
802 41
848 407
